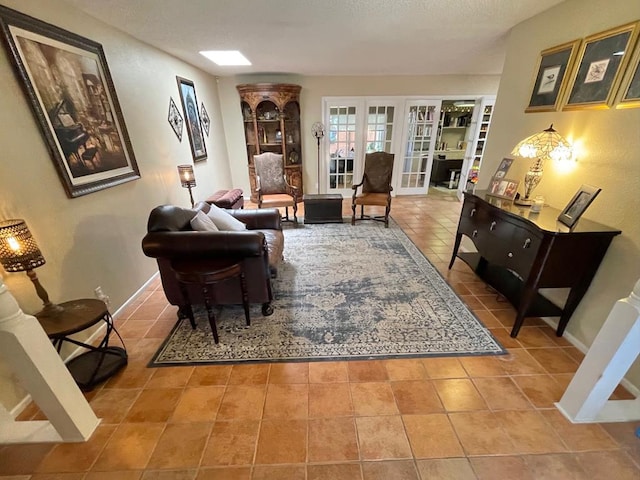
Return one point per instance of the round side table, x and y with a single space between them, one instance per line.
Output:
99 362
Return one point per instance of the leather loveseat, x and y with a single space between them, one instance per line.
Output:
170 236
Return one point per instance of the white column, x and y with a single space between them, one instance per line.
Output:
614 350
31 356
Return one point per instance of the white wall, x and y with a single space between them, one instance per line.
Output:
95 239
314 88
609 150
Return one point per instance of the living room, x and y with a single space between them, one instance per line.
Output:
95 239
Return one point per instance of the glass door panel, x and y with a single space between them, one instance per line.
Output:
380 128
343 148
419 141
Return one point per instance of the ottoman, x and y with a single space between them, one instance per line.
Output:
227 198
322 208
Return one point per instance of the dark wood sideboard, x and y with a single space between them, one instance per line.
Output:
520 252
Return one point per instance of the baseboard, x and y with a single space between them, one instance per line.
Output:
99 333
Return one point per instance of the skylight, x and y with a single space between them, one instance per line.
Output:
226 57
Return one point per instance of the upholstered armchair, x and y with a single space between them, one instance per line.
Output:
272 187
375 187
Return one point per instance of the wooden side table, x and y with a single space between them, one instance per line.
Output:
99 362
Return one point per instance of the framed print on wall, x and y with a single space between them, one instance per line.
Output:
192 118
549 84
175 119
71 93
629 91
602 60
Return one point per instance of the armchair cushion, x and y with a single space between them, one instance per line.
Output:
202 223
224 221
270 170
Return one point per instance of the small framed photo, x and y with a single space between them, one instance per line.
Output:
629 91
549 84
578 204
503 168
503 188
603 58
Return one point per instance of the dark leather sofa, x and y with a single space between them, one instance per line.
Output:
169 236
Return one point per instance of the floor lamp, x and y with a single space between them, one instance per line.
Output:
318 132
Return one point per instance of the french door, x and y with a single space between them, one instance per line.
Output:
356 127
413 167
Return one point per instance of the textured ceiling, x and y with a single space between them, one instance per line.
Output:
327 37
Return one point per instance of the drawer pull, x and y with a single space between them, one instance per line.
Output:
474 234
527 243
510 255
473 212
492 226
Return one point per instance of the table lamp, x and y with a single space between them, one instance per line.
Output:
541 146
187 179
19 252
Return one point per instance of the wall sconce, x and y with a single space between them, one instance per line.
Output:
187 179
19 252
541 146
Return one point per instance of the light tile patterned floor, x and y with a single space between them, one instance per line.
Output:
439 418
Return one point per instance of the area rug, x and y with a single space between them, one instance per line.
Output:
343 292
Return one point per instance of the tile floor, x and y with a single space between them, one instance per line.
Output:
436 418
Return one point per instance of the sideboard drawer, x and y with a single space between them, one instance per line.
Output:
523 250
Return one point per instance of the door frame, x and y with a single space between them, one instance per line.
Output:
400 132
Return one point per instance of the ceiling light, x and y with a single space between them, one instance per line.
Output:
226 57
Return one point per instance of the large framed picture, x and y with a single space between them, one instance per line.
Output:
629 91
578 204
603 57
549 84
192 118
67 81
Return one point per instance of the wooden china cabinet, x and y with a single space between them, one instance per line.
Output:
271 115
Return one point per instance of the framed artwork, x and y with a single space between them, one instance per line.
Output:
206 122
192 118
503 188
175 119
578 204
549 84
71 93
503 168
629 91
602 60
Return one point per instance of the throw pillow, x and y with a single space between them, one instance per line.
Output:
224 221
202 223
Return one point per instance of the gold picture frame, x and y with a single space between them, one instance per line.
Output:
554 66
628 95
602 60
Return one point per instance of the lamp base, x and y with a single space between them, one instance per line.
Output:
523 201
50 310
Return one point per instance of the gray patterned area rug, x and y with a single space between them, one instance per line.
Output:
342 293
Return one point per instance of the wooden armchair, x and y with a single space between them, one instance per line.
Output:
272 187
376 187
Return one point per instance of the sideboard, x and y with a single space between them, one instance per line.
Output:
519 252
